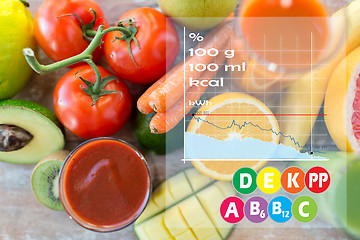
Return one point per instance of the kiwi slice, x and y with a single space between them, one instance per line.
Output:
45 180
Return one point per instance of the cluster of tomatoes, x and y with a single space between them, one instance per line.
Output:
60 36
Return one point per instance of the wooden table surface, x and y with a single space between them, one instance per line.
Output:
23 217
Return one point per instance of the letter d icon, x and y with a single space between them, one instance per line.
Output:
244 180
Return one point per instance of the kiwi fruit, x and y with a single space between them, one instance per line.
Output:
45 180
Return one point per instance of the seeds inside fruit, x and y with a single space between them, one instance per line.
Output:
53 180
13 138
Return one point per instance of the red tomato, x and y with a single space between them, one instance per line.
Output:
62 37
159 44
73 106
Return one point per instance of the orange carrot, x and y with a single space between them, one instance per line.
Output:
143 102
171 90
164 122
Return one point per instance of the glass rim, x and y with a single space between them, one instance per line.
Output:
68 209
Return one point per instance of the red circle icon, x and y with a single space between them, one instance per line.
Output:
317 179
292 180
232 209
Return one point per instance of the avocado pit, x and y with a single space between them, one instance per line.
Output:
13 138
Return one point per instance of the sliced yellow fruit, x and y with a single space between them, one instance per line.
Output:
192 211
156 229
225 109
220 224
174 189
213 237
226 189
174 221
194 216
179 186
151 209
188 235
163 196
216 194
196 180
141 233
205 230
216 197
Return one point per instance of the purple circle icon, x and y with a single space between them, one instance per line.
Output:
256 209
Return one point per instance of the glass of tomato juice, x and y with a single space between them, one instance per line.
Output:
105 184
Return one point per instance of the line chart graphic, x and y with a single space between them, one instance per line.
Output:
247 111
239 148
244 124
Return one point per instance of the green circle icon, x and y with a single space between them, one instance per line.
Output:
244 180
304 209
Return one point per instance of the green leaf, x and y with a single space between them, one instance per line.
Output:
106 80
85 27
105 92
89 85
72 14
91 24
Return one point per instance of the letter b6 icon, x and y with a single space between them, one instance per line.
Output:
256 209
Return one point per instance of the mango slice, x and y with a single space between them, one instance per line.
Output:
185 207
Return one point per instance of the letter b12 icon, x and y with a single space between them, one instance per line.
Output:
280 209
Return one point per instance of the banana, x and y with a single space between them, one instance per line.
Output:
306 95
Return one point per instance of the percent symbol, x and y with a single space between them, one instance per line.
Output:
196 37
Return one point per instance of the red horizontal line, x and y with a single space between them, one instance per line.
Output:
257 114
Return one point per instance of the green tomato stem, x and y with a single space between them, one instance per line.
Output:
94 43
123 30
90 33
94 90
44 69
85 56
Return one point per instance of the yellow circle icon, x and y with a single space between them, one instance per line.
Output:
269 180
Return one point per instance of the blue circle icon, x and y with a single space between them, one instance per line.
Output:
280 209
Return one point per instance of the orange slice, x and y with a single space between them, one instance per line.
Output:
225 109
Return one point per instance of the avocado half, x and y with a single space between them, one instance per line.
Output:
38 121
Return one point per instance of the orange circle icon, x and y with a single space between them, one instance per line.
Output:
292 180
